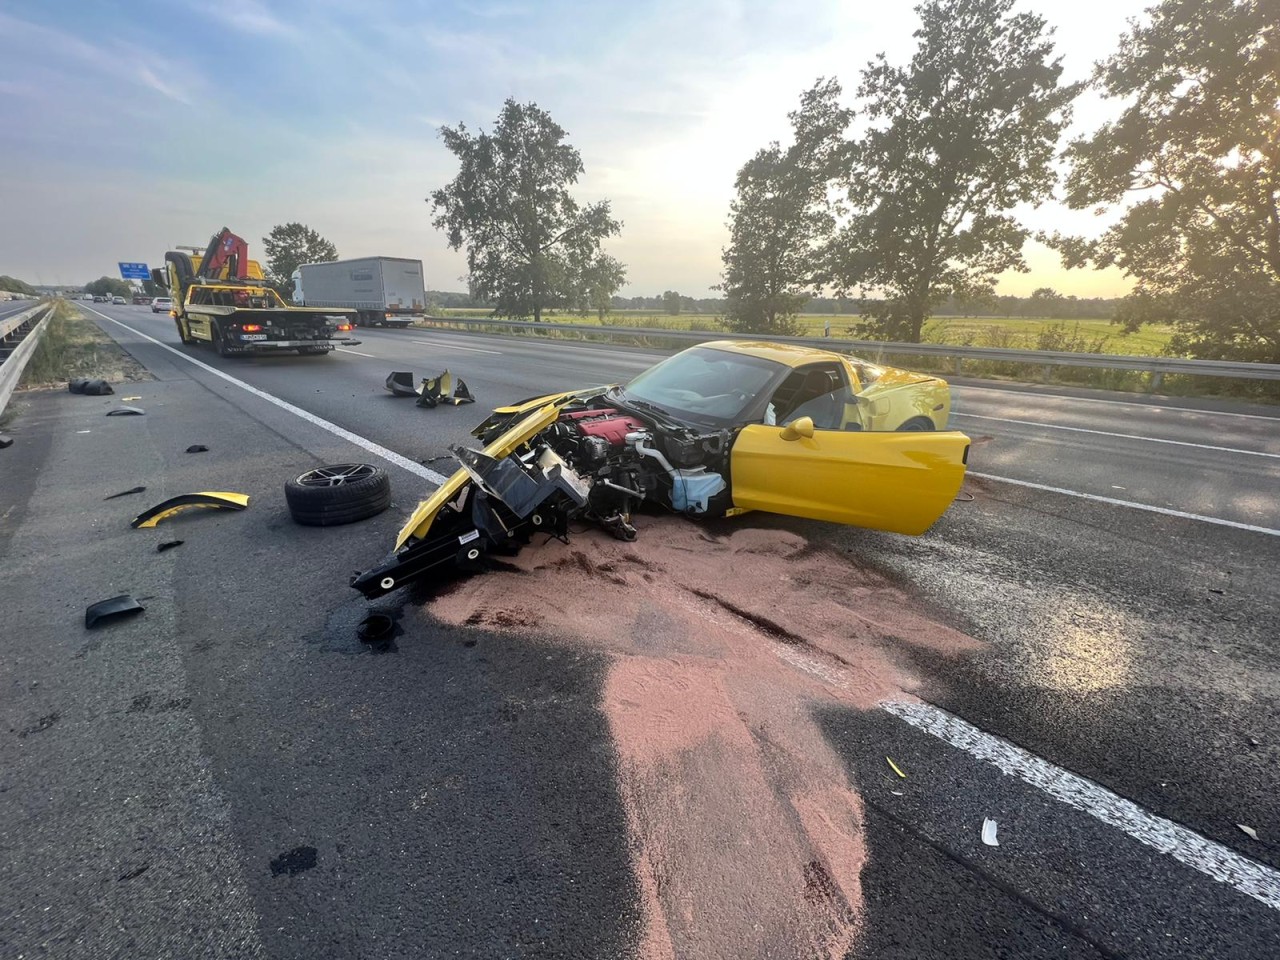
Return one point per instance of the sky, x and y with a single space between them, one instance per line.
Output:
128 127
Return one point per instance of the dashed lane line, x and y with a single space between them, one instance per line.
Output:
356 352
377 449
1130 504
1212 859
1122 436
454 346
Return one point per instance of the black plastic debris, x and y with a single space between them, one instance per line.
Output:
168 545
93 388
376 628
400 382
126 411
197 448
125 493
121 606
5 441
294 861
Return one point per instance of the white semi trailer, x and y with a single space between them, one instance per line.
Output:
384 291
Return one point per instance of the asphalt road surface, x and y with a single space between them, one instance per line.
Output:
1085 653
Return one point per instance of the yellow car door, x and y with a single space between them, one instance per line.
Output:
900 482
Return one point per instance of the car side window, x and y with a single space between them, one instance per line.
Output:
819 392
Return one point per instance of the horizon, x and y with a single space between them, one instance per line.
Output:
284 111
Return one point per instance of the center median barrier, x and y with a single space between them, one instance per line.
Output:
934 354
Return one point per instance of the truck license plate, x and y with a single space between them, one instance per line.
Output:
253 336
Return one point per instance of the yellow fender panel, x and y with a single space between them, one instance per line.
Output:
517 436
207 499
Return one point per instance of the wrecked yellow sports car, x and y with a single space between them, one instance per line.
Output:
717 429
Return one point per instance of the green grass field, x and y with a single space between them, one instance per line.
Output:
1084 336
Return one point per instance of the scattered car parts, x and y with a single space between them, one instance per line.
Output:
126 411
174 505
717 429
5 441
125 493
93 388
197 448
168 545
337 494
121 606
432 391
376 628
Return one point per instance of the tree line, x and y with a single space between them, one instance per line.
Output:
921 205
915 214
917 211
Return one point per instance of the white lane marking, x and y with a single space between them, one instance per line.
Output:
1123 436
377 449
1249 877
1123 403
454 346
356 352
1166 511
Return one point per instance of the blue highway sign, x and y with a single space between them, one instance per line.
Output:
134 271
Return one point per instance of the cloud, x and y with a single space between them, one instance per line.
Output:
148 77
247 16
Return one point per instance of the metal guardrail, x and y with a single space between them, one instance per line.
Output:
15 352
1046 359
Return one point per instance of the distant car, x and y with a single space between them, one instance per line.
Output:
117 300
99 298
162 304
88 296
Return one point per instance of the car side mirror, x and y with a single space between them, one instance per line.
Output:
798 428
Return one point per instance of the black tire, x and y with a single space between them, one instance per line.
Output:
182 333
338 493
919 424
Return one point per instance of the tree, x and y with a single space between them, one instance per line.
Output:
529 244
781 217
289 246
671 302
958 138
1199 141
14 285
108 287
1045 302
600 281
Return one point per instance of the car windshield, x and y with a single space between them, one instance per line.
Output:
704 383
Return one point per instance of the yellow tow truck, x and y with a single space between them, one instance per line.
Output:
222 299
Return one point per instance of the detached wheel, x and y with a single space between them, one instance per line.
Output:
339 493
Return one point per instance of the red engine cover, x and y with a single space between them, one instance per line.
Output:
608 423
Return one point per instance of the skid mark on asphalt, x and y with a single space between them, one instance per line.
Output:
747 833
377 449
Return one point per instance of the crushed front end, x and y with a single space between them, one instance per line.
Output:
576 456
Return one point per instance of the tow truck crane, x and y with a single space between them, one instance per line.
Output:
222 299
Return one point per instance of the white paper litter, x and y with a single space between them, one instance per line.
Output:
1252 833
989 833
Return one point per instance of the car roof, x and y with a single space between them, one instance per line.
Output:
788 354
